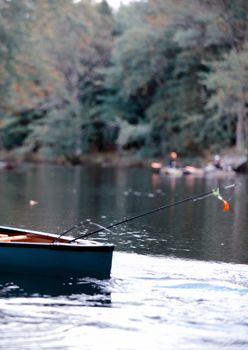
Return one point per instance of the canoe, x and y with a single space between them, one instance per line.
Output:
198 172
171 171
38 253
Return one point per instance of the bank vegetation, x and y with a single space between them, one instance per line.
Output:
155 75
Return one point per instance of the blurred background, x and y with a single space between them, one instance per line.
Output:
141 78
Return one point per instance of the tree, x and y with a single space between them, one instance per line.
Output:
228 83
176 74
158 60
71 42
154 73
227 79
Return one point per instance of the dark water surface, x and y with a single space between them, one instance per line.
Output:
179 278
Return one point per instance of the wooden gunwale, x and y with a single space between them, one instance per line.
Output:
10 236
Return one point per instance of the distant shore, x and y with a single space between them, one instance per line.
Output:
124 160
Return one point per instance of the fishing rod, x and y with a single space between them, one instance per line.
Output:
213 192
80 224
76 226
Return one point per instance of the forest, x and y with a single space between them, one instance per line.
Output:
79 77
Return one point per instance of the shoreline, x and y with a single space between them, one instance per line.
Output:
122 160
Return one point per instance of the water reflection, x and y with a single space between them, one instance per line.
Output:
96 292
68 195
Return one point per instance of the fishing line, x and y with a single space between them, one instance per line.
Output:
213 192
74 227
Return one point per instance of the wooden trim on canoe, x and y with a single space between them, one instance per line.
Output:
33 239
6 238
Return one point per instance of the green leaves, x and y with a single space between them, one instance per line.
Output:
58 69
228 84
166 74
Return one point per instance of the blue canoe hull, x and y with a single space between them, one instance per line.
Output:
56 259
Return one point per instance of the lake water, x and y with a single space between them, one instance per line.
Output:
179 277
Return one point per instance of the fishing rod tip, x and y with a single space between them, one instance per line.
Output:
233 185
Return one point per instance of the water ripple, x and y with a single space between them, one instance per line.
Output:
150 302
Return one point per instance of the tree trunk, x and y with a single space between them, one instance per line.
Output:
241 127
